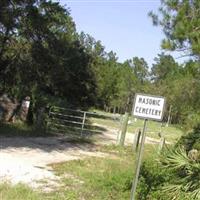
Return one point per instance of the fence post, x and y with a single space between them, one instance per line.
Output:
47 128
83 123
136 140
124 128
162 139
119 130
161 144
169 116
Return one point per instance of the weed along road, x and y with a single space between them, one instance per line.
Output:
145 107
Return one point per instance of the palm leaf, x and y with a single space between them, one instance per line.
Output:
186 175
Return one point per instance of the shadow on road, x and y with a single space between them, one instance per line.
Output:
46 144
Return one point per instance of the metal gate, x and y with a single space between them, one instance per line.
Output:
79 123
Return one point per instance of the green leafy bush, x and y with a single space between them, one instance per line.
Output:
175 175
191 140
152 177
185 182
191 120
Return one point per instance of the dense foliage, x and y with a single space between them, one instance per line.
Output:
40 54
180 21
43 56
175 176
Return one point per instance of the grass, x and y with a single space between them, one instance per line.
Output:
23 192
94 178
20 129
172 133
15 129
97 178
18 192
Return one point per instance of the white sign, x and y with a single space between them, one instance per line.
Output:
25 104
148 107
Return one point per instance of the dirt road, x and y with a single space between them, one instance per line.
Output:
26 160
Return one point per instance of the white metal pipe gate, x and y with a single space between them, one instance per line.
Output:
76 122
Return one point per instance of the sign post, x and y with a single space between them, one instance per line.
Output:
145 107
123 129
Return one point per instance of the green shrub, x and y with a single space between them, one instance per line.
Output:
191 120
152 177
185 182
197 145
191 140
175 176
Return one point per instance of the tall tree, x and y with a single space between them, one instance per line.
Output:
164 68
41 53
180 21
140 68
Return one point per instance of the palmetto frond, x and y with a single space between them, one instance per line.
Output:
176 159
186 179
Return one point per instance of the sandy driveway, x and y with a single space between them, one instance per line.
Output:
26 159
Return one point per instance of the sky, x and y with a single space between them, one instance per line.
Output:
122 26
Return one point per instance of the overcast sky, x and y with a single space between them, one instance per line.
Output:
122 26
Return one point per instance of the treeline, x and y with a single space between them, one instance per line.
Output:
43 56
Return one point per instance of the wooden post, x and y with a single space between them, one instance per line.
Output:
136 140
161 144
169 116
114 110
162 139
23 113
119 130
138 163
83 123
123 130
